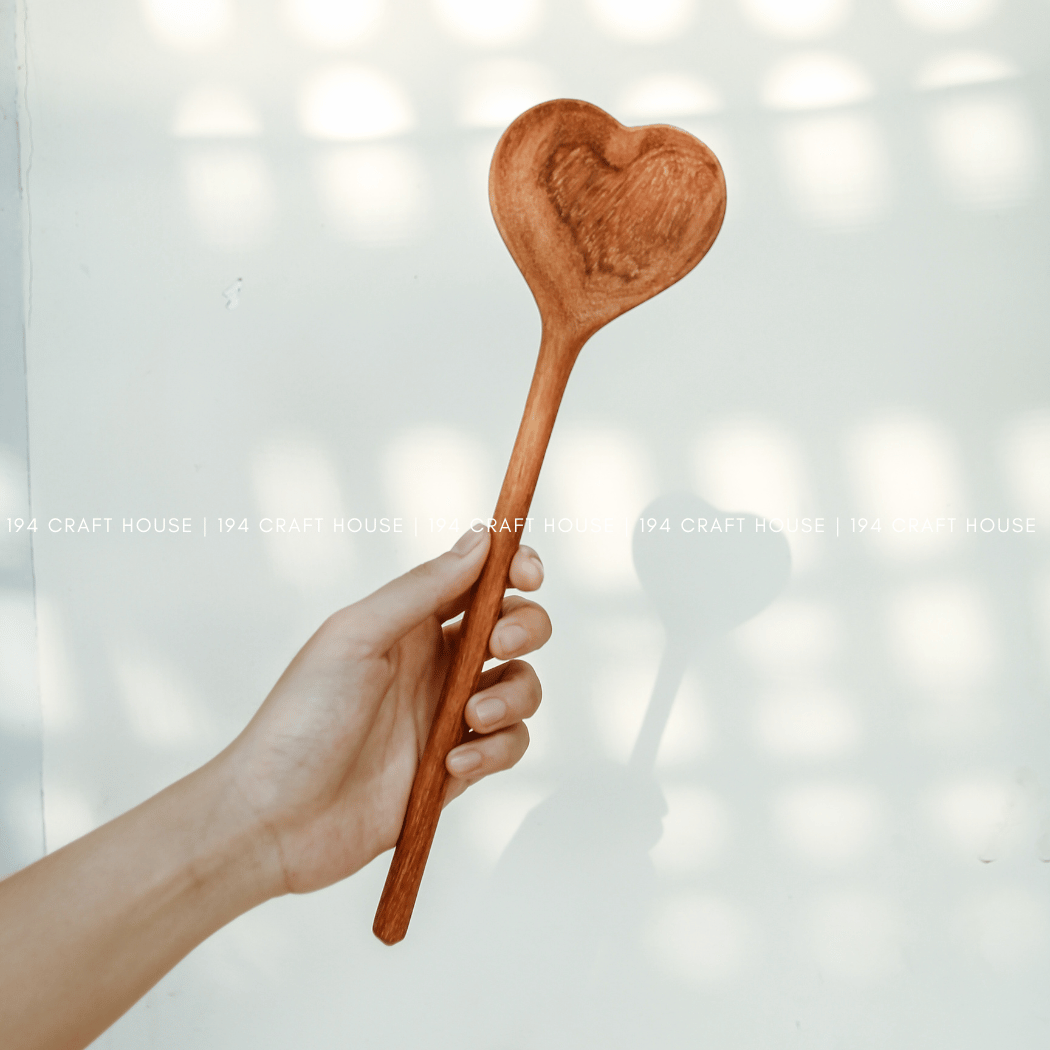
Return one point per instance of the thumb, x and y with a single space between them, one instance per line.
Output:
391 612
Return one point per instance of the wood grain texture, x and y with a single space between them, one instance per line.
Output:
598 217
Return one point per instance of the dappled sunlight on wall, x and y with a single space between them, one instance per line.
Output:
816 80
752 464
231 196
796 19
67 815
372 194
941 637
600 478
966 813
354 102
1025 458
297 492
986 149
946 16
666 95
189 24
836 168
641 23
332 24
829 824
904 468
439 479
963 68
486 24
491 816
493 93
215 111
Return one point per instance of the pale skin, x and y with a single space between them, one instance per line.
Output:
313 789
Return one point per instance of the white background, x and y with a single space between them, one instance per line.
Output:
260 280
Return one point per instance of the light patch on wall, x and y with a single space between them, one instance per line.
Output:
791 639
331 24
19 696
297 480
753 465
962 68
815 81
695 832
907 467
946 16
815 723
189 24
967 813
436 474
668 95
494 93
490 818
14 501
857 937
374 194
641 23
1025 458
487 24
796 19
162 709
67 816
230 196
837 169
354 103
21 816
215 112
829 824
940 637
986 150
60 703
702 939
1010 926
601 478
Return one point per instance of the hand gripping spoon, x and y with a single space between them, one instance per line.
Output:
598 217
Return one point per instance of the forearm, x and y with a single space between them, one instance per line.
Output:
86 931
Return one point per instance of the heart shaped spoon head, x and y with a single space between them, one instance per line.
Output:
600 217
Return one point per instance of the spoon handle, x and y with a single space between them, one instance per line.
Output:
448 728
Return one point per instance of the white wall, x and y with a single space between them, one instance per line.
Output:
855 845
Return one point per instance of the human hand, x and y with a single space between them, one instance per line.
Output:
327 763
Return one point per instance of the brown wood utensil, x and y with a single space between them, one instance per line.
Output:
598 217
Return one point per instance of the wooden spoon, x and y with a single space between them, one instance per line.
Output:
598 217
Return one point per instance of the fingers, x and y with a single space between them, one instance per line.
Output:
526 570
523 627
508 694
526 574
486 754
389 613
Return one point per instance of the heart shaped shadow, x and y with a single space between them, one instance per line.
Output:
600 217
704 580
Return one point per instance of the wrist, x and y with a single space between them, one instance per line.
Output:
233 849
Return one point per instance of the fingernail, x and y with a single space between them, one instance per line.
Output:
463 761
489 710
511 638
468 541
